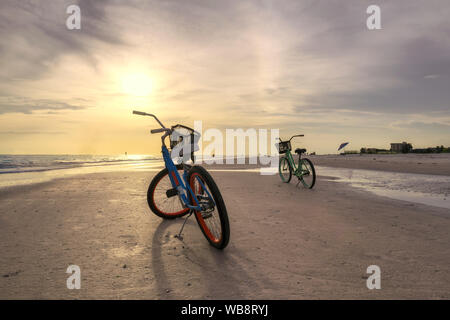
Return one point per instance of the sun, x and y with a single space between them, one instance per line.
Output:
137 84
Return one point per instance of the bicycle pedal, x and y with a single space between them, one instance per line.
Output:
206 215
171 192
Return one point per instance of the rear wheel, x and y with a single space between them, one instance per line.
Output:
285 170
213 218
308 173
165 204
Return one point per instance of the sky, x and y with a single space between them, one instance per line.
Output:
301 66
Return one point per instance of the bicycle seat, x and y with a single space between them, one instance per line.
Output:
300 151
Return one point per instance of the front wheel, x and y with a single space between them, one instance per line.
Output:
285 170
307 173
165 204
213 218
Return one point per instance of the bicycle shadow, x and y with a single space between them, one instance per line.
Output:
224 272
158 266
220 274
239 282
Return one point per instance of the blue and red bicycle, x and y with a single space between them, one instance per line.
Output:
182 189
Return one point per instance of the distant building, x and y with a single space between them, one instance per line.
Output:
397 147
403 147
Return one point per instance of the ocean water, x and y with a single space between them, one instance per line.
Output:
29 163
432 190
426 189
26 169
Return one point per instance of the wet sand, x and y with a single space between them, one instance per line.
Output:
438 164
286 242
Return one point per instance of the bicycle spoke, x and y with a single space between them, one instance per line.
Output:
166 204
212 222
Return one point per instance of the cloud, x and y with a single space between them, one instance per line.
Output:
423 125
33 35
27 105
245 63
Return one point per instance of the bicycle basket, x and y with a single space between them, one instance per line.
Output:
184 142
283 146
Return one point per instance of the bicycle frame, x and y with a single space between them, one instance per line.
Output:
178 182
181 184
292 163
297 170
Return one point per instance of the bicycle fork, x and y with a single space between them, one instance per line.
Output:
204 203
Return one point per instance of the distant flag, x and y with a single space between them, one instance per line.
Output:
343 145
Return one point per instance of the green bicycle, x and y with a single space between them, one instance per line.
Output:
304 171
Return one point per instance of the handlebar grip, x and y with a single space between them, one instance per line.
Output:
158 130
139 113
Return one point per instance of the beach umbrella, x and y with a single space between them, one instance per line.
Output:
343 145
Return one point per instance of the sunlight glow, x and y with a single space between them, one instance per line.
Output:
137 84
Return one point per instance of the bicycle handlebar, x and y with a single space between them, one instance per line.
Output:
159 130
167 131
139 113
148 114
297 135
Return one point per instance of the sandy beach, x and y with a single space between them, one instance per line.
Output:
96 97
437 164
286 242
